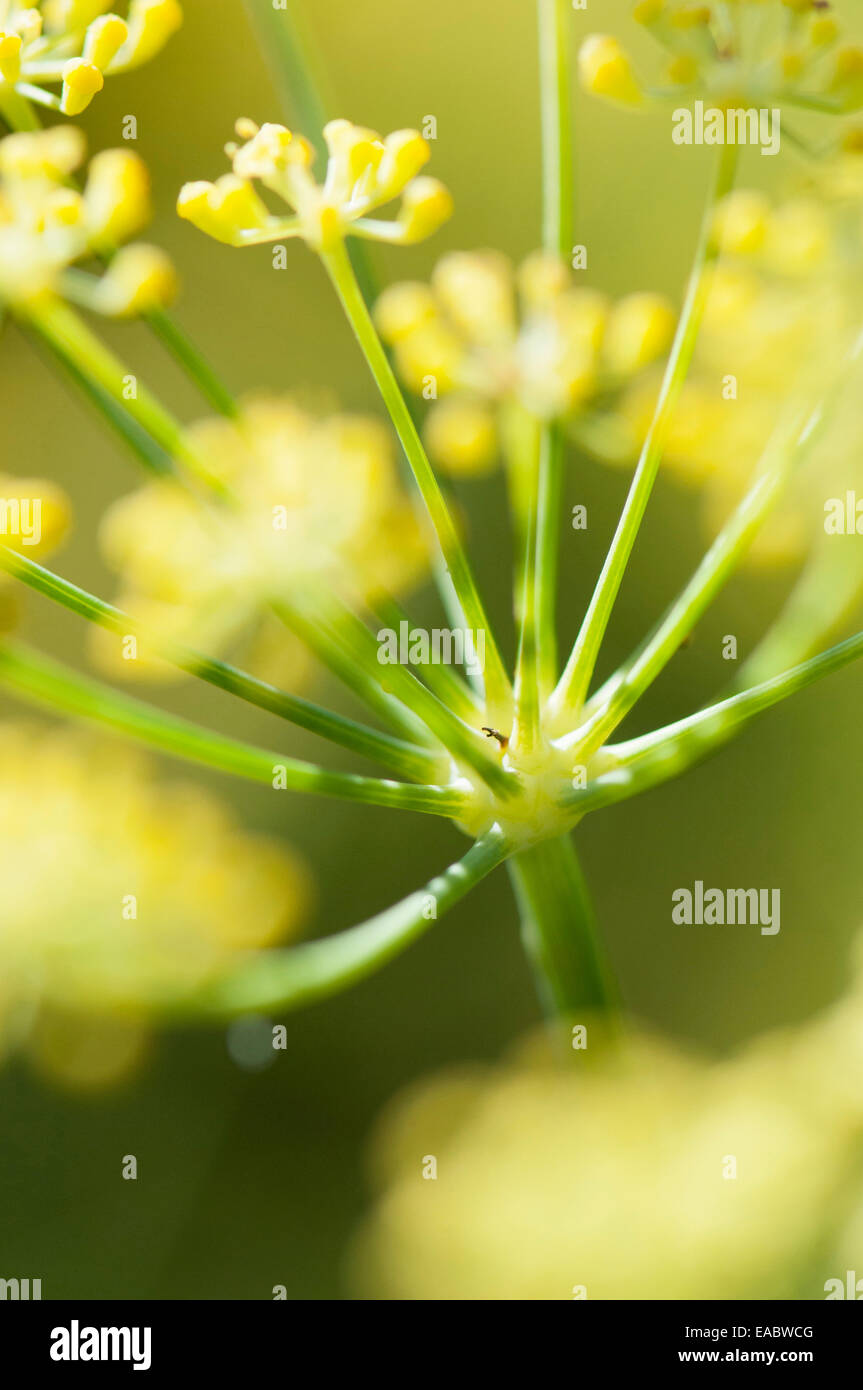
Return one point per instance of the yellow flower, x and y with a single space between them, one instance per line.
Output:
364 173
120 891
46 225
73 44
314 501
641 1173
713 55
35 515
605 71
493 340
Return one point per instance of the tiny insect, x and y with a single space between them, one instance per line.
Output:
493 733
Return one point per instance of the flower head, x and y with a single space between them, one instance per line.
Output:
315 502
364 173
610 1178
792 55
46 225
488 339
120 892
74 44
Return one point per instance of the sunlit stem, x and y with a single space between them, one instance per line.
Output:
786 451
554 17
401 757
575 681
365 685
526 731
464 743
639 764
67 333
292 978
497 687
443 680
45 682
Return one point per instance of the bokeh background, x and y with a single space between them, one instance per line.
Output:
248 1179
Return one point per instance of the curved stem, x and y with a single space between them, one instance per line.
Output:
575 681
290 979
194 363
49 683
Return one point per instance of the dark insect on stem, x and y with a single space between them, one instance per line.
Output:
493 733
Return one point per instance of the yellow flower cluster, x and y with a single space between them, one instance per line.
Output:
747 53
46 225
118 891
782 306
648 1173
313 501
73 44
364 173
493 341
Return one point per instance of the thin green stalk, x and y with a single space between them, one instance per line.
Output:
786 451
137 440
557 235
497 687
553 18
463 742
292 978
336 658
43 681
641 763
443 680
526 730
404 758
193 362
575 681
560 935
67 333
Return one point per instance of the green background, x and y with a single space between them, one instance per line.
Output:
247 1180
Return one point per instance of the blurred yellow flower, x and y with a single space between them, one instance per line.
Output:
364 173
788 55
494 341
315 501
644 1172
119 891
73 44
46 225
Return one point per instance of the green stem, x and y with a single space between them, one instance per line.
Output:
557 234
70 337
290 979
193 362
786 450
575 681
526 731
559 933
642 763
463 742
442 680
49 683
401 757
497 687
137 440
